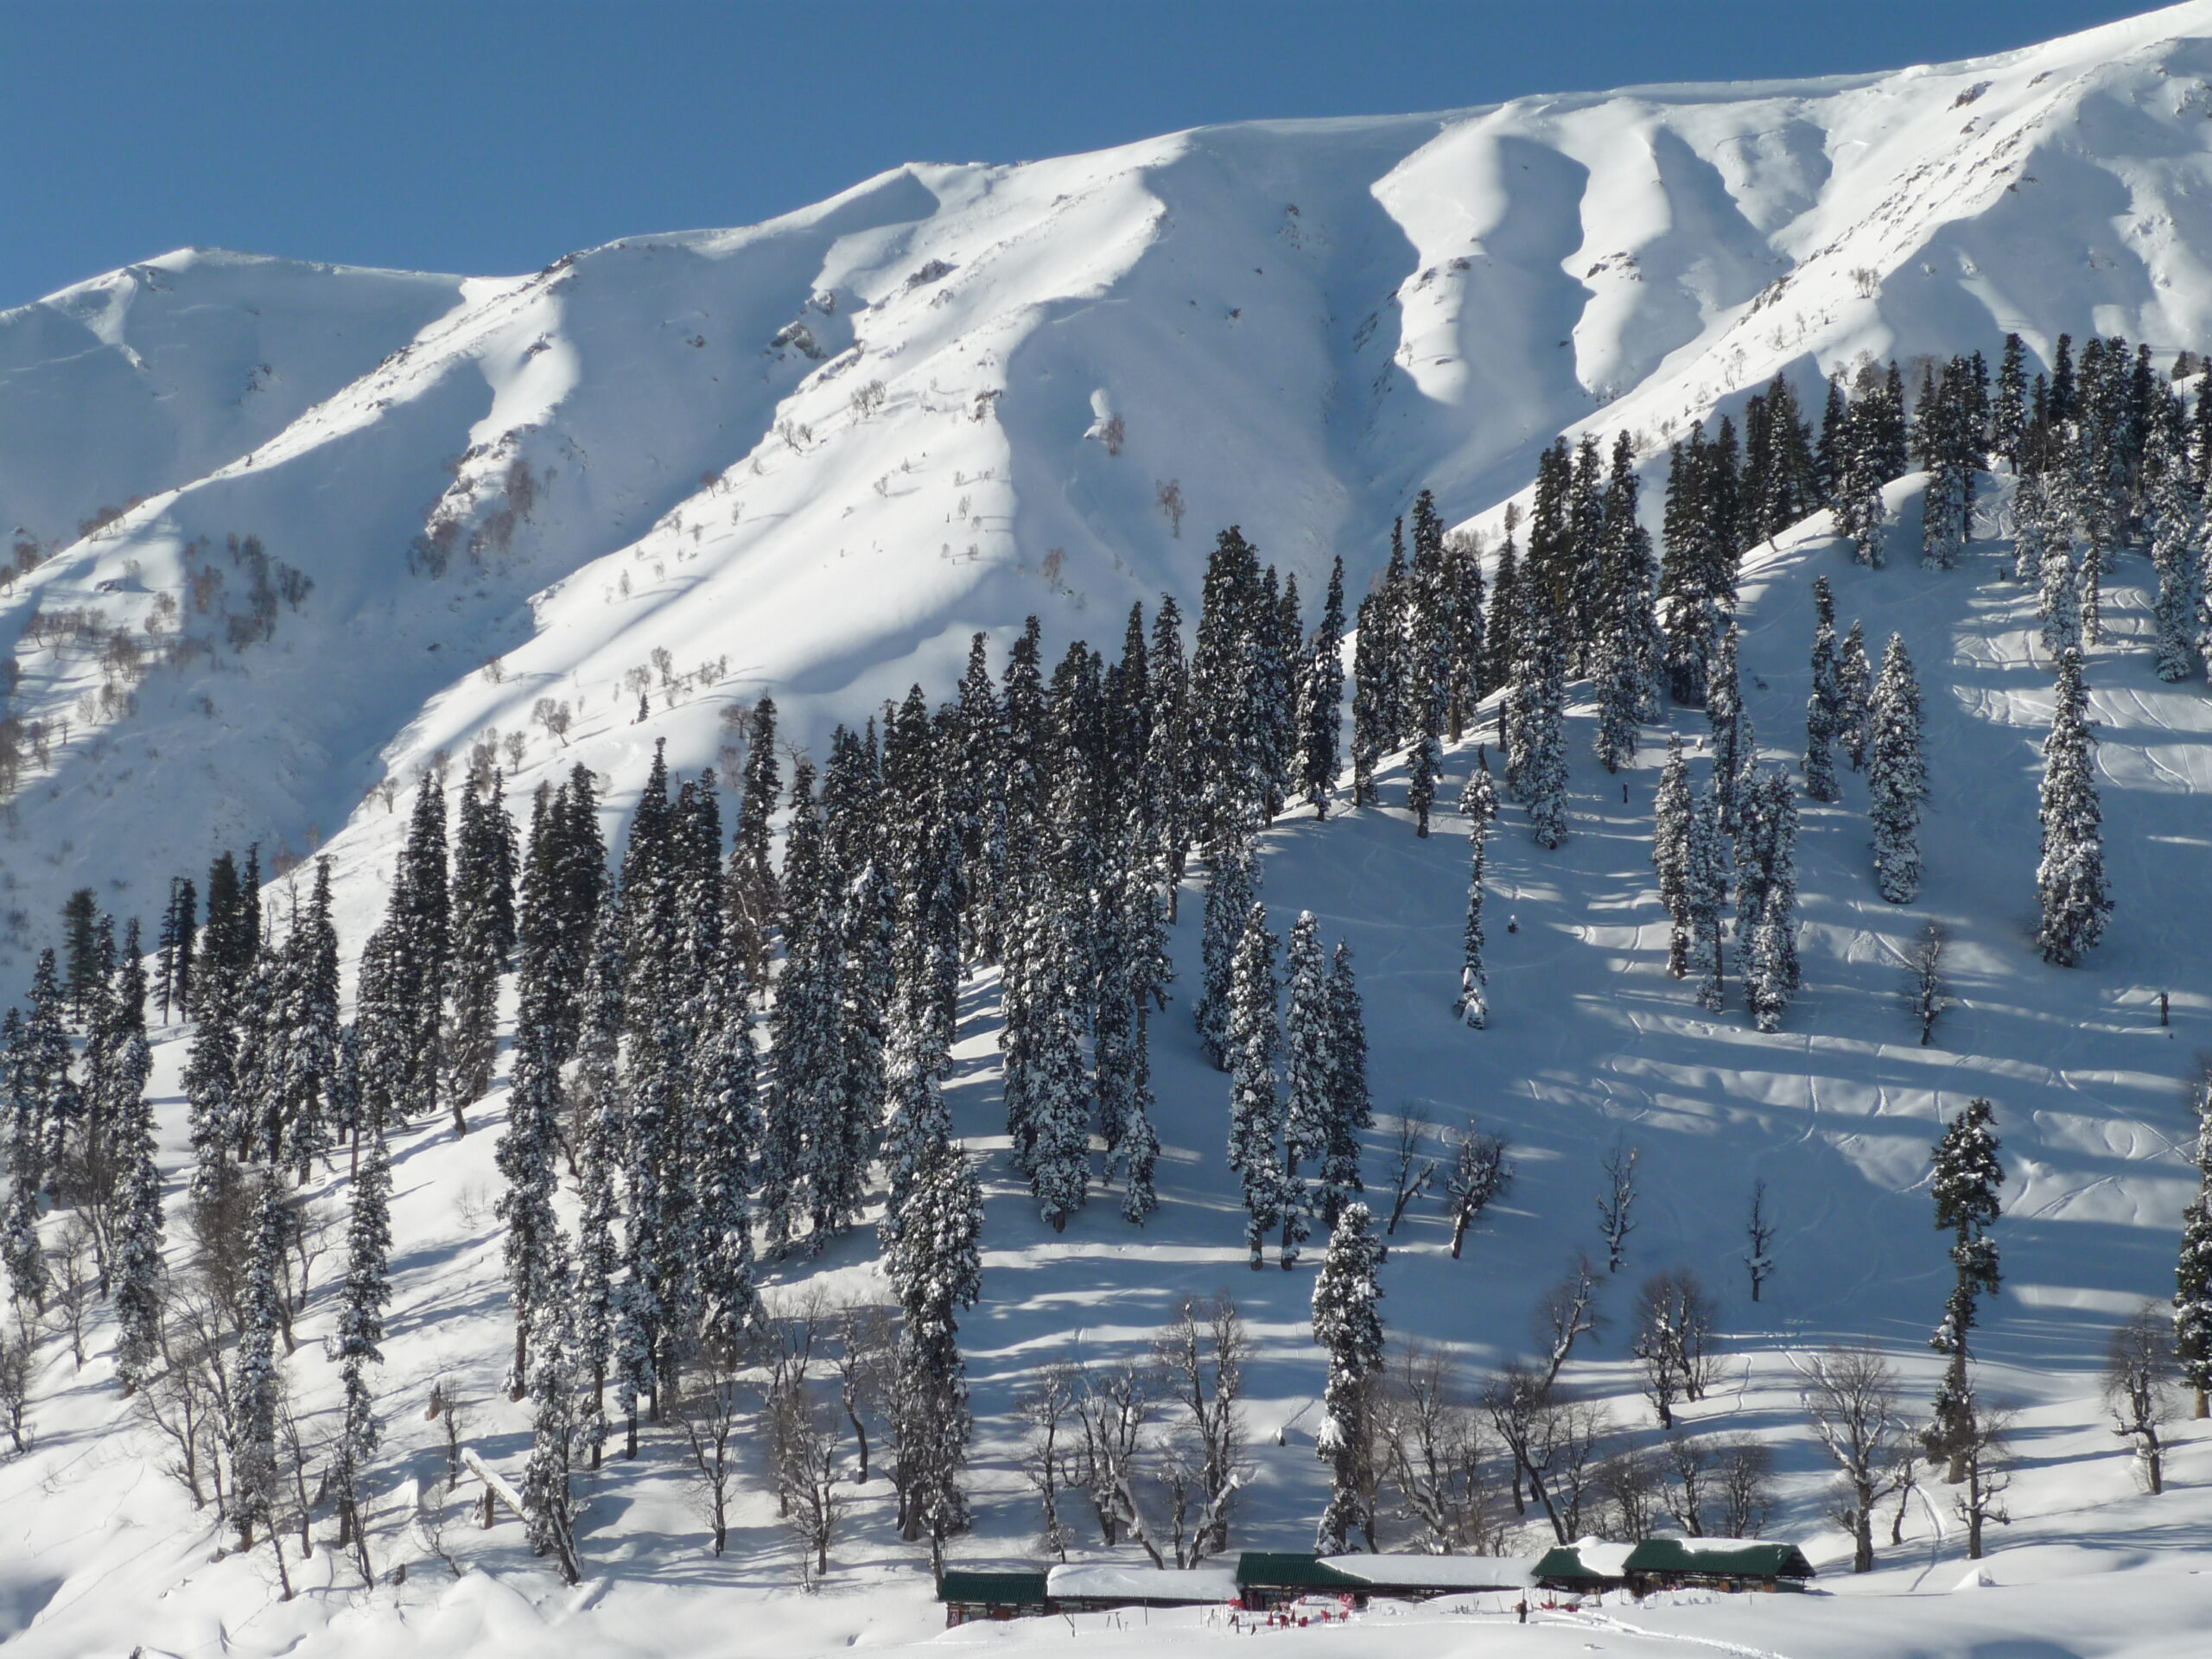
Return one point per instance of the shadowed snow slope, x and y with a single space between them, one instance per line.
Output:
658 446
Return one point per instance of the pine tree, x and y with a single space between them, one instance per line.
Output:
526 1158
421 911
1479 805
754 900
2070 883
1897 776
935 1269
138 1274
1771 975
359 1340
256 1387
27 1131
1321 691
1724 712
2009 416
601 1133
179 934
1351 1107
1348 1327
1059 1113
1255 1115
1967 1184
1308 1076
483 934
546 1496
1855 686
1672 808
1544 775
1167 746
1705 890
1231 888
1824 708
2175 534
2060 604
2193 1268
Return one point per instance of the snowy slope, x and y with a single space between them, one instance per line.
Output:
1451 292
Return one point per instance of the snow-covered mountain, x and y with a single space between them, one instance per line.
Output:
812 457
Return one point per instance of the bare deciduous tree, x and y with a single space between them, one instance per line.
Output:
1673 1335
1629 1481
1851 1402
1986 1458
1431 1452
1567 1313
709 1419
1617 1202
2138 1389
864 1360
1045 1407
1479 1172
802 1436
1925 986
1745 1485
1414 1170
1758 1235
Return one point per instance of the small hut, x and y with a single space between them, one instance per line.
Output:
1589 1566
1729 1564
1270 1578
1000 1594
1094 1587
1419 1577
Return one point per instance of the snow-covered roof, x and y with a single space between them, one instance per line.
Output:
1436 1572
1107 1581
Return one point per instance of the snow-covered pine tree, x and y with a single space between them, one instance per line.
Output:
753 901
1351 1107
1232 886
1966 1184
1544 775
2177 530
1060 1110
1479 805
257 1385
1824 708
1133 966
358 1342
1672 807
601 1130
1321 692
1772 976
1704 891
173 947
1855 684
1255 1115
483 934
1308 1073
2193 1267
2060 604
548 1499
2070 885
1896 778
2030 517
2008 421
19 1241
936 1270
1348 1327
1424 769
1724 712
527 1158
139 1272
420 906
722 1135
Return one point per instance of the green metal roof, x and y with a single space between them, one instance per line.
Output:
1003 1588
1719 1557
1291 1569
1565 1561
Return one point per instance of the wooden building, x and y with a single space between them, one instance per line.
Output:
1729 1564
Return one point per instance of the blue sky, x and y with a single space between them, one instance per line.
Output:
487 135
